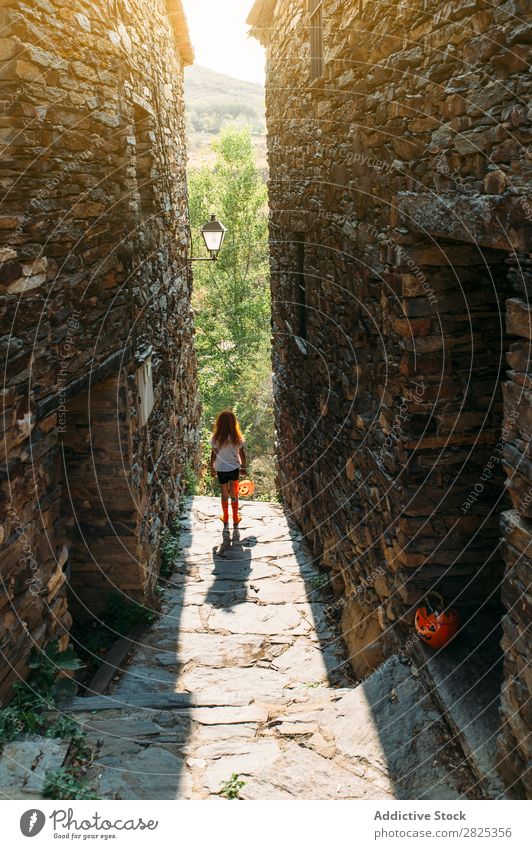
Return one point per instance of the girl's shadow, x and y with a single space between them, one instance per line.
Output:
232 567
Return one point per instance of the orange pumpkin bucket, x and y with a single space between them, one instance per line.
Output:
246 489
435 625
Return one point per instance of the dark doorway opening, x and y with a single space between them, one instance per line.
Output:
470 422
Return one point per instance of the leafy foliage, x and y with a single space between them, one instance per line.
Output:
122 614
232 299
170 549
231 788
11 724
64 726
46 683
45 686
63 783
191 481
320 581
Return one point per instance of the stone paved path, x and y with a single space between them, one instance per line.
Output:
244 631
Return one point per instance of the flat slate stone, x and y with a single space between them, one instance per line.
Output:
214 651
151 774
154 701
391 723
229 715
277 592
254 619
130 729
303 662
25 762
299 770
146 679
250 685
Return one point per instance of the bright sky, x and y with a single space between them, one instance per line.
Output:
219 35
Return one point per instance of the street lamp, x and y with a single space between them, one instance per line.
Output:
213 232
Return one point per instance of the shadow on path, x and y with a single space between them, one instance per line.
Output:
232 568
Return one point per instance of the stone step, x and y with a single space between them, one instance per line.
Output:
151 701
464 680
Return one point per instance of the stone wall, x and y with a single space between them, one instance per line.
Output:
93 282
398 194
514 746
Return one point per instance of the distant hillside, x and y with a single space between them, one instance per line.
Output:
214 100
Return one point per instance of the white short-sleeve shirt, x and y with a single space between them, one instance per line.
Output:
227 456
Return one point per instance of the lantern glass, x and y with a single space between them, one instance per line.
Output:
213 233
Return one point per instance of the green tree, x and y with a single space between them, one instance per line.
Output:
232 296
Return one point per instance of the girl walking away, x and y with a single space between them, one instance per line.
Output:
228 459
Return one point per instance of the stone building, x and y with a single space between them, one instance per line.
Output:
400 226
100 408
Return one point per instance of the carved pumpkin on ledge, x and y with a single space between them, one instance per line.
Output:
435 625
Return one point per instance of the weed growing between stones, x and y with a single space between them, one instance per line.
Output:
231 788
63 784
171 546
319 581
191 480
68 782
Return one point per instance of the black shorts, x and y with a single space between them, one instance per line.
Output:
225 477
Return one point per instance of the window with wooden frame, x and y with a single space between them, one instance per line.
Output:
315 8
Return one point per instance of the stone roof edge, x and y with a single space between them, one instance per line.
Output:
179 23
260 18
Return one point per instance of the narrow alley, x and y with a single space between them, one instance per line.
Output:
273 250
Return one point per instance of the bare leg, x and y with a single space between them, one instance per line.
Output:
234 502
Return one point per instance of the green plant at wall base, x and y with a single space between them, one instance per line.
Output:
46 683
121 614
46 668
63 784
174 522
70 781
319 581
170 550
190 480
231 789
39 693
11 724
64 726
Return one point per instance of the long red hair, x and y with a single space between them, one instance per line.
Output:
227 429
